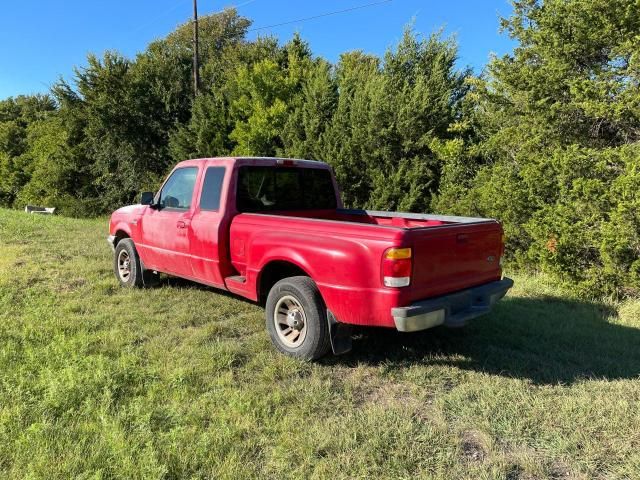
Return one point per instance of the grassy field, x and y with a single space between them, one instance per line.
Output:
181 382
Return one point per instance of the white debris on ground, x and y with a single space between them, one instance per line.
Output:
42 210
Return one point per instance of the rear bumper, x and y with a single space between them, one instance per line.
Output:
453 310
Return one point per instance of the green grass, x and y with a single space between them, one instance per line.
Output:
181 381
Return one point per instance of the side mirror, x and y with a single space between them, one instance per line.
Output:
146 198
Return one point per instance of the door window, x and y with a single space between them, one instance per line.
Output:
210 197
178 189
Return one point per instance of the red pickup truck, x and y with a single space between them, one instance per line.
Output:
274 231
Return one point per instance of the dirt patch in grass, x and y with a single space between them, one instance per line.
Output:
71 285
560 471
472 447
390 395
371 389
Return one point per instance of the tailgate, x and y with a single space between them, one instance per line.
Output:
454 257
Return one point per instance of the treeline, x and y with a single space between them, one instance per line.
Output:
546 139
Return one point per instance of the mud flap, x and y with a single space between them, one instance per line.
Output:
340 334
149 277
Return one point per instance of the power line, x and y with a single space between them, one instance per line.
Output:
159 16
320 16
218 12
242 4
175 6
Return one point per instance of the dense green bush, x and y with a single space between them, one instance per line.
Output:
549 144
572 212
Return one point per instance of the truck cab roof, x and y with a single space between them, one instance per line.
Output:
265 161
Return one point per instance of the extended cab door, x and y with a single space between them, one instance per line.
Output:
164 244
209 231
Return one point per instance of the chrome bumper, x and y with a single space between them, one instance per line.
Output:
111 239
453 310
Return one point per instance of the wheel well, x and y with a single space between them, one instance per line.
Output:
272 273
120 234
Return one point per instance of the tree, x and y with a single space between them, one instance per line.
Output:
345 141
312 111
207 132
387 117
263 95
16 165
556 128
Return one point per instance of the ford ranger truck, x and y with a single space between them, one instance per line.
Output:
274 231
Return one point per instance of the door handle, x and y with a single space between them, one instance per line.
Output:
182 224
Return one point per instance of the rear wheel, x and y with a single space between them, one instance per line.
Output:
297 319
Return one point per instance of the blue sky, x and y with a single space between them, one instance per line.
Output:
41 40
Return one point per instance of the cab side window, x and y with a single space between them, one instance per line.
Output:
211 188
178 189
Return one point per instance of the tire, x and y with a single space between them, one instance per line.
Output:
300 328
128 268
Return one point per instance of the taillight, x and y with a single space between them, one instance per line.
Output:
396 267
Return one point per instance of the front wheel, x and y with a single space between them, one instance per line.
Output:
128 268
297 319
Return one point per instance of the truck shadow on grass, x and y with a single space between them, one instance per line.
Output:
183 283
547 340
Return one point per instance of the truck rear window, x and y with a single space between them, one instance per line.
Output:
262 189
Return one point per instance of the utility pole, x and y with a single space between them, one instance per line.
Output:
196 70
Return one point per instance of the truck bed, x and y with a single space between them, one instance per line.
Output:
385 219
450 253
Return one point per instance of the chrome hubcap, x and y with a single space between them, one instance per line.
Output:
124 265
290 321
